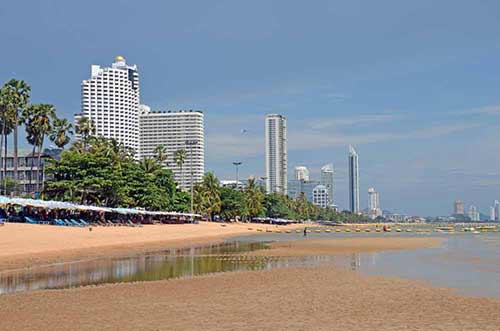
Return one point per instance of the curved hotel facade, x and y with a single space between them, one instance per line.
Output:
110 99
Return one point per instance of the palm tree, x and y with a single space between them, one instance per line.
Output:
149 165
18 95
61 131
85 128
212 202
179 159
6 100
253 199
38 122
161 154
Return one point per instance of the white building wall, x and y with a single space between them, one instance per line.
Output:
110 99
172 129
276 154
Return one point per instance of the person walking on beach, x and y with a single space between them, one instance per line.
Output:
305 232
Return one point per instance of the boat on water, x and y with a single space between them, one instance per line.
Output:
445 228
486 227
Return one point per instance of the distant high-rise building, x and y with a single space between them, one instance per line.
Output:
296 187
301 173
473 214
496 204
320 196
353 181
459 207
110 100
492 214
173 130
276 154
326 179
373 203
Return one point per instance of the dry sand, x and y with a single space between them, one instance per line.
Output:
322 298
23 245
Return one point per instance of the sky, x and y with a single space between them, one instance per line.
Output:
413 85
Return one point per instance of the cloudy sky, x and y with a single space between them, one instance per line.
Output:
414 85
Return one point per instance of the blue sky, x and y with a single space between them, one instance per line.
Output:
414 85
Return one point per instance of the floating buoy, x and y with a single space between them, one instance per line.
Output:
347 230
260 230
288 231
358 230
250 229
398 230
328 230
367 230
298 231
337 230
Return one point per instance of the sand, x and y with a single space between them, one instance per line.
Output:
346 245
322 298
23 245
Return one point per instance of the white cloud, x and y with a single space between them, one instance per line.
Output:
325 123
488 110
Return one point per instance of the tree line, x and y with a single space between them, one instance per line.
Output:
40 122
100 171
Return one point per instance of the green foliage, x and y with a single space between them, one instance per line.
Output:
106 174
232 203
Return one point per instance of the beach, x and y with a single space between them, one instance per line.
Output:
25 245
298 298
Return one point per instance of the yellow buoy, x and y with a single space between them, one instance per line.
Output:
260 230
337 230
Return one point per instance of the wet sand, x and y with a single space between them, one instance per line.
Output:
346 245
322 298
24 245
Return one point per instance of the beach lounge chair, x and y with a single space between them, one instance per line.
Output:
75 223
68 223
59 222
30 220
84 222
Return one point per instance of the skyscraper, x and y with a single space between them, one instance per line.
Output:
326 179
373 203
173 129
459 207
353 181
492 213
276 154
110 99
496 204
302 173
473 214
320 196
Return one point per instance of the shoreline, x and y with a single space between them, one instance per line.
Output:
25 245
299 298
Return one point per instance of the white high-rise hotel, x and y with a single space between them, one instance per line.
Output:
276 155
111 100
173 129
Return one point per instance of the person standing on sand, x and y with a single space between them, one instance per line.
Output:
305 231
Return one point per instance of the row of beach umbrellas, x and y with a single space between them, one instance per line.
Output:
51 204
